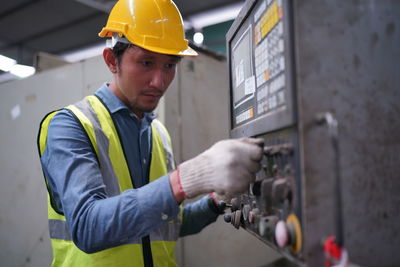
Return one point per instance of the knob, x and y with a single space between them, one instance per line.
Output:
227 217
234 218
235 202
237 217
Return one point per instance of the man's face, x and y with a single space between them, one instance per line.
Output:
142 77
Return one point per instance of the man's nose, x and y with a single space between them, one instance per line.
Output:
157 79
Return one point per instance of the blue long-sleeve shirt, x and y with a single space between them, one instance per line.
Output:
96 221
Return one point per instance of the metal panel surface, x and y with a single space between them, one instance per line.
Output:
345 67
347 55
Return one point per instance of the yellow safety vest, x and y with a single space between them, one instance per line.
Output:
98 124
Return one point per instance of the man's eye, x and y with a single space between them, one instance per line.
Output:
170 65
146 63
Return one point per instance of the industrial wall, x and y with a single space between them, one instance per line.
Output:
196 113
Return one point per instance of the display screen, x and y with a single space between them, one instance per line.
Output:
258 65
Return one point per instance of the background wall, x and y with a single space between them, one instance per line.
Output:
195 110
24 239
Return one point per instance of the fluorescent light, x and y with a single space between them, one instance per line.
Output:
6 63
198 38
219 15
22 71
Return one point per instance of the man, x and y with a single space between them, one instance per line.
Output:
114 192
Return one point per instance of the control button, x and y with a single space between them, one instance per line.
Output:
281 234
288 234
295 233
246 210
253 215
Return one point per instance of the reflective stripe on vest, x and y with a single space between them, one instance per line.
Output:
58 230
106 168
98 124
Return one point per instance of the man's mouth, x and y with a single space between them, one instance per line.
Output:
153 94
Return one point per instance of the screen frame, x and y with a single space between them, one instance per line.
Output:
266 122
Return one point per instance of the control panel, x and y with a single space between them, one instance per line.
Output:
262 90
271 208
320 184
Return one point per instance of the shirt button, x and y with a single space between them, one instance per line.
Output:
144 161
164 216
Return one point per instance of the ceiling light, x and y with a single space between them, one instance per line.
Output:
6 63
22 71
198 38
212 17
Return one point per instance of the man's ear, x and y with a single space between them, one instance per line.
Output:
110 60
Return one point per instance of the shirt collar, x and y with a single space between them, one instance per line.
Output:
114 104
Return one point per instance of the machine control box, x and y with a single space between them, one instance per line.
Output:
262 105
291 63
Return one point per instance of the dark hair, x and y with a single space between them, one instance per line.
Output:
119 49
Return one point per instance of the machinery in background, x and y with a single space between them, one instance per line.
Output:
294 66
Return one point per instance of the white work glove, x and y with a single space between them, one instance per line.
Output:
227 168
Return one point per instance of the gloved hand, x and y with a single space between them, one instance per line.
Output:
226 168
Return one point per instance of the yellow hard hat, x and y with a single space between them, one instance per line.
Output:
155 25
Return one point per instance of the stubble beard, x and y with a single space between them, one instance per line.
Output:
135 107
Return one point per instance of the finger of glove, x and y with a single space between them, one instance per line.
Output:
221 197
250 150
245 163
241 182
253 166
254 141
